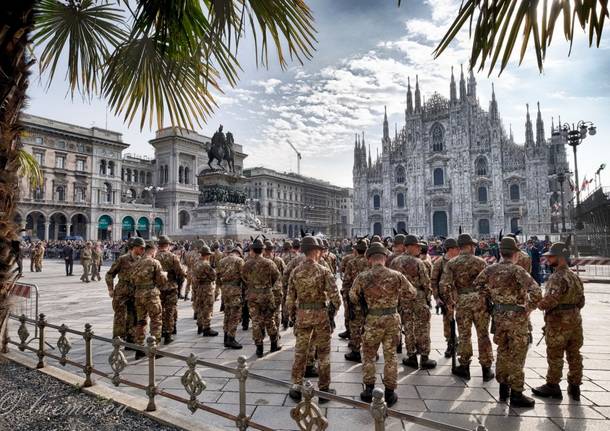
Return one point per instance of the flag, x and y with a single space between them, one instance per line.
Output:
584 185
572 187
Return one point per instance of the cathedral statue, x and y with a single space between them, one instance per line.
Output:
221 149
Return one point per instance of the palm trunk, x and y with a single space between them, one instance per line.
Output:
15 25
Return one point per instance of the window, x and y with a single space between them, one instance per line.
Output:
39 158
481 166
400 175
107 193
482 195
80 148
187 175
103 167
439 177
401 227
39 140
483 226
400 200
515 194
514 224
269 209
61 144
79 195
437 138
148 178
111 168
80 165
376 202
166 174
60 161
134 176
180 174
38 194
60 194
141 177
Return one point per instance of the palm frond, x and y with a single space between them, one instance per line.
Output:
29 168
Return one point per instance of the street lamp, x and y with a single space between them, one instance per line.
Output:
153 191
561 177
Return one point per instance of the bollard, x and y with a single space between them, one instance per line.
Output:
88 336
151 349
41 323
379 410
242 375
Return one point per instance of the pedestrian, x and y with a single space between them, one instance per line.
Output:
68 255
86 261
96 261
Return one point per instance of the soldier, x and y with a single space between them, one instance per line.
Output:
123 299
416 317
86 256
345 289
513 293
425 257
329 257
190 259
286 254
524 261
563 298
311 290
147 276
96 261
228 273
260 276
382 290
398 248
169 291
204 279
37 256
356 319
280 290
457 282
216 254
446 303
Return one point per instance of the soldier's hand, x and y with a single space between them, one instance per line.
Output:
110 293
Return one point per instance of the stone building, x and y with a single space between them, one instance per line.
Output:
452 164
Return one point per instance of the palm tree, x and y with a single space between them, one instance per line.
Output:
500 22
157 60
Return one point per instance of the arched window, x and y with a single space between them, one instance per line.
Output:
482 194
437 138
401 227
376 202
483 226
480 166
148 178
111 168
400 200
108 193
166 174
187 175
400 175
181 174
515 194
284 229
141 177
132 194
183 219
60 194
161 175
134 176
122 174
103 167
269 209
514 224
439 177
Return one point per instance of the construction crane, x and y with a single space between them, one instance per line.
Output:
298 157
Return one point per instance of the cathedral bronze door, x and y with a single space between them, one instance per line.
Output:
377 229
439 223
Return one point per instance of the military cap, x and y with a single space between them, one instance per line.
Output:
150 245
310 243
268 245
137 242
197 244
349 247
237 249
362 245
376 248
423 243
257 244
215 245
287 245
450 243
508 244
164 239
229 243
399 239
559 249
465 239
205 250
296 243
376 238
325 243
411 240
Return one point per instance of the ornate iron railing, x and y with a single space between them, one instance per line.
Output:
307 414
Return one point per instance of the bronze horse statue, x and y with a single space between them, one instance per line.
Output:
221 149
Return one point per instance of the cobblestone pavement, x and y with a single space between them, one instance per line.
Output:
434 394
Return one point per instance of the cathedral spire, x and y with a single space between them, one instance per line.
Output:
529 132
472 85
452 90
417 95
493 105
539 128
370 162
462 84
386 129
396 132
409 97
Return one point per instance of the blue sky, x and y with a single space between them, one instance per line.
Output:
366 50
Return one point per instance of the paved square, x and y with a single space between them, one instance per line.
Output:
434 394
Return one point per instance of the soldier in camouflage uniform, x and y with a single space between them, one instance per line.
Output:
204 287
169 291
37 257
457 282
190 259
311 291
85 260
425 257
123 294
383 291
228 274
563 299
286 253
356 318
513 293
280 290
96 261
416 317
330 258
345 289
147 276
524 261
260 276
447 304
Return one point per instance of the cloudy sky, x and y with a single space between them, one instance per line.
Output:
366 51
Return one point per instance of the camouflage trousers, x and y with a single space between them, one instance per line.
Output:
262 315
203 303
86 270
95 271
563 333
38 264
277 315
148 305
231 297
284 308
356 322
469 311
382 330
447 317
416 326
187 285
511 338
169 303
124 322
346 305
312 338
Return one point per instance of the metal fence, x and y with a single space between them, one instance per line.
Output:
307 414
24 298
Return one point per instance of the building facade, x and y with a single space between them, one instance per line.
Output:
452 165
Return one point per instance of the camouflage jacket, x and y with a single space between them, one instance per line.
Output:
354 267
390 258
311 289
121 267
190 259
563 287
416 272
287 257
96 256
331 259
344 261
216 258
228 270
382 288
438 268
260 276
175 271
428 262
203 274
147 276
459 275
86 255
290 266
524 261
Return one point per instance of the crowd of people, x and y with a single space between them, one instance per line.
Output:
387 289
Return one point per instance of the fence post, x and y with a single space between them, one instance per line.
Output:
151 389
379 409
23 332
242 375
41 323
88 336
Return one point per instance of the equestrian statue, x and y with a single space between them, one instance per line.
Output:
221 149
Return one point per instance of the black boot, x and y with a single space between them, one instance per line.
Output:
390 397
259 350
574 391
548 390
285 324
225 339
231 343
399 348
530 338
344 335
194 316
167 339
425 363
462 371
310 371
274 346
323 400
411 361
353 356
449 351
245 327
180 296
199 329
175 330
208 332
186 297
367 394
488 375
140 354
504 392
295 394
517 399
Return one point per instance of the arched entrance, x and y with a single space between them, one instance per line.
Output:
128 227
290 231
439 223
34 225
58 227
377 228
158 226
143 227
104 228
79 226
183 219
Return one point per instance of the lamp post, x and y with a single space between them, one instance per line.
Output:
561 177
153 191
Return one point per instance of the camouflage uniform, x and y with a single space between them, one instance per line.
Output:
96 262
437 271
311 288
345 290
280 292
190 258
147 275
123 300
37 256
203 278
457 282
228 272
169 291
85 260
356 319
